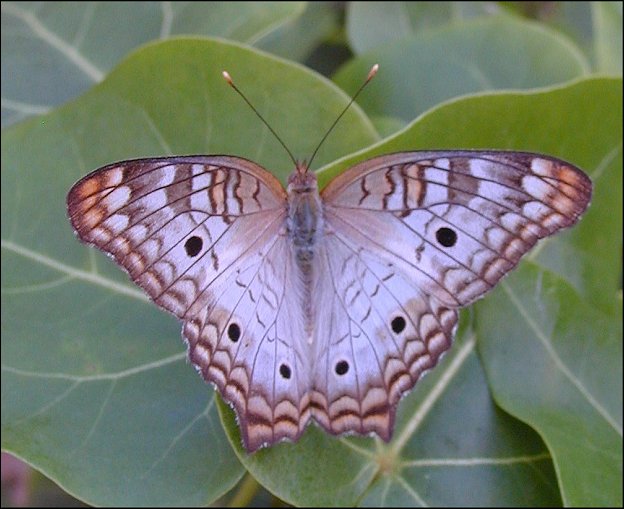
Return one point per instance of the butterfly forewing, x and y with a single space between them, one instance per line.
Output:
168 221
455 222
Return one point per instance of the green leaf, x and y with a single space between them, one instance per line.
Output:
451 445
95 388
297 38
559 368
64 48
419 72
607 17
371 24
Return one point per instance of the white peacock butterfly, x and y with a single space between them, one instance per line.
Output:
301 305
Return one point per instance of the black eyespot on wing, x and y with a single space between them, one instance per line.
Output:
193 246
446 237
234 332
342 367
284 371
398 324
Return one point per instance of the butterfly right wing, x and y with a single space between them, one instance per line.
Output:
203 236
410 237
377 333
456 221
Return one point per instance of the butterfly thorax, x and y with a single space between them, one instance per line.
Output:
305 214
305 229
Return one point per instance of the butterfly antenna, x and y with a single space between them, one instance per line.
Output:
371 75
228 78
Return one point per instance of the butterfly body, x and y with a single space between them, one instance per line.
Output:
305 214
300 305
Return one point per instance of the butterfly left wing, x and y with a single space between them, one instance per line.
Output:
174 223
204 237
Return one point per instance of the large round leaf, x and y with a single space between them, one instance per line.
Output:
418 72
65 47
451 445
96 392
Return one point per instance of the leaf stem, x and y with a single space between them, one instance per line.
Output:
247 489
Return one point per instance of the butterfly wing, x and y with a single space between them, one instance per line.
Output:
456 222
203 236
248 340
174 222
377 332
410 238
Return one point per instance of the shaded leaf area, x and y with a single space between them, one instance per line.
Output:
551 335
595 27
95 389
63 48
418 72
607 22
372 24
302 34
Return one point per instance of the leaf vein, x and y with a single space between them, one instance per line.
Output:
559 364
67 50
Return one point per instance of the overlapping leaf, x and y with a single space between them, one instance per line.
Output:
420 71
95 388
53 51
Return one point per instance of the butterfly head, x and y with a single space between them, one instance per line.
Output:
301 180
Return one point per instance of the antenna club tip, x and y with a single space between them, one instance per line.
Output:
227 77
372 72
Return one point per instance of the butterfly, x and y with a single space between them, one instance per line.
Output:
302 305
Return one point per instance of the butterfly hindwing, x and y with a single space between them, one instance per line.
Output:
377 334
